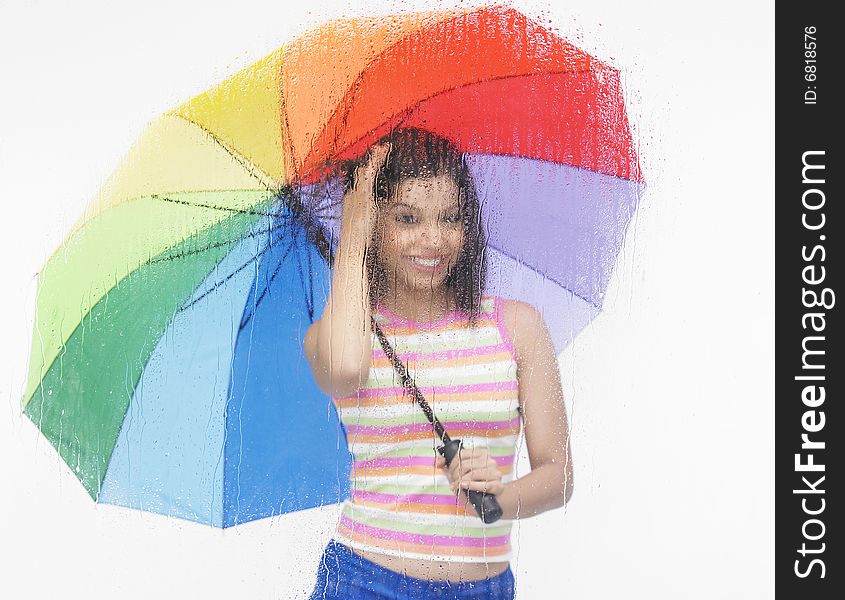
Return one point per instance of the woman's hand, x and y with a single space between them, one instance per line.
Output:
473 469
359 211
339 344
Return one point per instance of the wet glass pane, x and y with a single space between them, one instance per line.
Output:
328 308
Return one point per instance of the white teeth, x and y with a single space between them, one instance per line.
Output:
427 263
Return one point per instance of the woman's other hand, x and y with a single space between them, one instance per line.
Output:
473 469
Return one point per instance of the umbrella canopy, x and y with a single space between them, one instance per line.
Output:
166 363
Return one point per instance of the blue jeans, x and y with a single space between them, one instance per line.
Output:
344 575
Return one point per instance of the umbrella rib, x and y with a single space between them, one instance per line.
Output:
199 250
545 276
310 298
225 279
241 211
262 177
258 301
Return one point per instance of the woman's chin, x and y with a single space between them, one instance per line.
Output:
424 282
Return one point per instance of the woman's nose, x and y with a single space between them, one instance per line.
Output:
433 234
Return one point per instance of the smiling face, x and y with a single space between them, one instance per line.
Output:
420 233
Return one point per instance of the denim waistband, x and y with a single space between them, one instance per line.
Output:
344 574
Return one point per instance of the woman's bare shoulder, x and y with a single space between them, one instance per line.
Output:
522 321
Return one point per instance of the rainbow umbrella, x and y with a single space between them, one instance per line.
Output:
166 364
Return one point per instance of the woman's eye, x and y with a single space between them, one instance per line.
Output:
454 219
406 219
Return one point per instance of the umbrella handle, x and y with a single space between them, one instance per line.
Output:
485 504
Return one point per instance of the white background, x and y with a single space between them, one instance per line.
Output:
670 391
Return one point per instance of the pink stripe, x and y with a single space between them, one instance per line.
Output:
421 427
438 499
443 354
498 386
500 322
421 538
396 320
415 461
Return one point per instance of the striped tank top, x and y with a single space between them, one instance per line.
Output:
401 504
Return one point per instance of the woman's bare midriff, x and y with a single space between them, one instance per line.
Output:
435 570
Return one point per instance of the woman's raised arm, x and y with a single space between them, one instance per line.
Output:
338 344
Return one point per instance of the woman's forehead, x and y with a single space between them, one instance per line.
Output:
438 192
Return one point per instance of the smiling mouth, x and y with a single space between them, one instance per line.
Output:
426 262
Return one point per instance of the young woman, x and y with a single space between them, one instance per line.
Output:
411 256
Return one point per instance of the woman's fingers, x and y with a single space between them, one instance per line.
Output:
469 460
378 156
486 479
474 470
490 487
484 471
365 174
